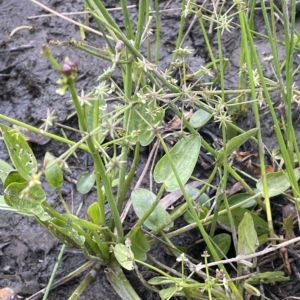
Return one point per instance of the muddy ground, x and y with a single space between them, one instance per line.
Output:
28 83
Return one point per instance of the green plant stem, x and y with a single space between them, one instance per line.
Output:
134 51
245 40
103 247
85 282
289 29
95 52
157 31
103 14
130 175
224 182
237 91
119 281
214 153
127 20
99 168
207 42
144 281
180 31
62 200
122 187
140 24
198 222
42 132
148 20
208 219
49 284
284 151
184 284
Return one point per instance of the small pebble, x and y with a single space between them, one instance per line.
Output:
7 294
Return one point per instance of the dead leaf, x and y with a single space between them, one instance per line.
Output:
176 123
172 197
285 258
237 187
255 169
241 156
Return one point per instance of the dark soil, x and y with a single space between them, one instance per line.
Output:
28 83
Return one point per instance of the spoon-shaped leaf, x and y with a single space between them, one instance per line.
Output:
25 199
277 182
124 256
200 118
139 244
184 156
53 171
141 201
234 143
85 182
248 241
223 241
19 151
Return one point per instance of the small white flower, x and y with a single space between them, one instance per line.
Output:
224 24
48 122
182 258
84 99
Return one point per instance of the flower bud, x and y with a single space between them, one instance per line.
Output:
69 68
46 50
119 46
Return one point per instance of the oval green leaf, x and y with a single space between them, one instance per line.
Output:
261 226
248 240
139 244
94 213
201 212
184 156
277 182
13 176
233 144
142 199
168 292
200 118
85 182
160 280
53 171
25 199
238 198
251 289
267 277
202 199
223 242
124 256
19 151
